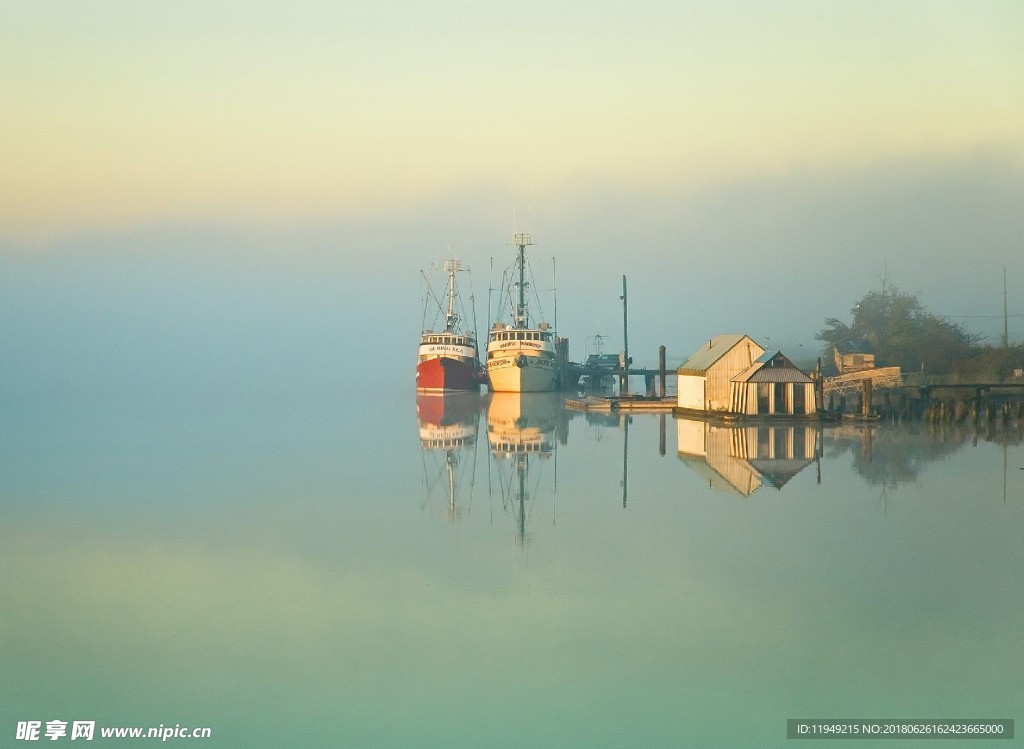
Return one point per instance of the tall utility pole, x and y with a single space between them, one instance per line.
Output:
1006 317
624 385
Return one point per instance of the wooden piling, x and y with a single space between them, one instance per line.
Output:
960 411
819 389
562 362
662 370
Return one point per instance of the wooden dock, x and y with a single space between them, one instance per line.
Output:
632 403
853 382
732 418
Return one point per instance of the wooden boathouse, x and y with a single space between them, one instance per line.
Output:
772 385
705 379
734 376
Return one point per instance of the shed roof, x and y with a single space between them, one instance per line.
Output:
772 368
777 472
703 358
743 482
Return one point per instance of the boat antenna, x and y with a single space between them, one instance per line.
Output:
430 295
522 241
490 290
476 330
554 290
451 318
426 298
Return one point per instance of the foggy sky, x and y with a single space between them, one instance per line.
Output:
203 194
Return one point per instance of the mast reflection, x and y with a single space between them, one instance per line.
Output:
448 426
521 432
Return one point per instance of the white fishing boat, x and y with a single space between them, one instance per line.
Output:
520 357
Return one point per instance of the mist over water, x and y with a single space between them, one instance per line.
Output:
219 513
771 256
219 510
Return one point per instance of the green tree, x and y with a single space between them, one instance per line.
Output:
902 332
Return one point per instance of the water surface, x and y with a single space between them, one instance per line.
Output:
314 567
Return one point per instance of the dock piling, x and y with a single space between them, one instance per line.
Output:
661 369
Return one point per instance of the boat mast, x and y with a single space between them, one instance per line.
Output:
522 242
451 318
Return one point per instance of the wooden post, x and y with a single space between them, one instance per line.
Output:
819 389
661 368
865 398
562 362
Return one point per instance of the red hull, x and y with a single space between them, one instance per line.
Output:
444 373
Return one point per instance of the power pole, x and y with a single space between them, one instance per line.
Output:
624 385
1006 324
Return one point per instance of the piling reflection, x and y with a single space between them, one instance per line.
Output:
888 454
741 459
522 431
448 437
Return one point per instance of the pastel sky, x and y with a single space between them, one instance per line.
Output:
120 112
803 147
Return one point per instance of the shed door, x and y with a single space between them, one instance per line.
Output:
764 390
799 398
781 398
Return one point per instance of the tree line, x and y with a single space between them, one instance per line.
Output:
903 333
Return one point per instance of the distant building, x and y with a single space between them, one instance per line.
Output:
853 356
772 385
705 379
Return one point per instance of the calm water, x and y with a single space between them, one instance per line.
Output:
315 569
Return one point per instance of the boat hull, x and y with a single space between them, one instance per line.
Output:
522 373
445 374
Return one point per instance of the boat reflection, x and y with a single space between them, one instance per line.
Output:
448 437
740 459
522 433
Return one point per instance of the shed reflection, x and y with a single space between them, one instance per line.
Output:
740 459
